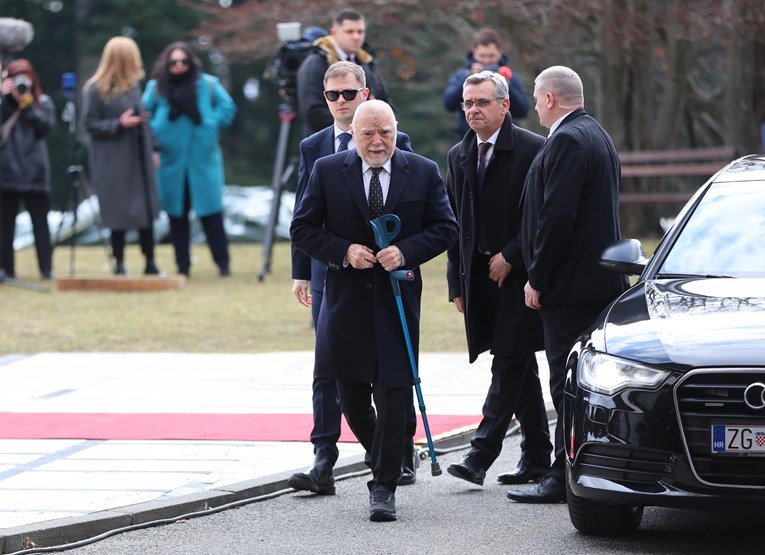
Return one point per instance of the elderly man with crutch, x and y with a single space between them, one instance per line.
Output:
358 338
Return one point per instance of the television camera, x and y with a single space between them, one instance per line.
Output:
295 47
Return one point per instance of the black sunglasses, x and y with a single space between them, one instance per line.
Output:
348 94
183 62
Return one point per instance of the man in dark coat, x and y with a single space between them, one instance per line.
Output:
345 42
570 214
342 78
359 341
486 276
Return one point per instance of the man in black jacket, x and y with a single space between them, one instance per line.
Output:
485 273
345 42
570 214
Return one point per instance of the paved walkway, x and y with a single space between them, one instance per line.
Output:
55 491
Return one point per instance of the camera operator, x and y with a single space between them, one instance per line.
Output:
486 55
26 118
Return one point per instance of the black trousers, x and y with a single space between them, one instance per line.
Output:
563 324
145 239
326 404
180 235
38 205
515 389
383 435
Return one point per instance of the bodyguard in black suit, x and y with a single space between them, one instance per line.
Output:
342 79
570 214
359 341
486 276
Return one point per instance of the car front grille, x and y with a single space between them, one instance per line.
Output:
624 464
704 398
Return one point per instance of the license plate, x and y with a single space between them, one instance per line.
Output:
738 439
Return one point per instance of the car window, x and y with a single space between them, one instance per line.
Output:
724 235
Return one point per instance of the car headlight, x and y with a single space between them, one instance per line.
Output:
607 374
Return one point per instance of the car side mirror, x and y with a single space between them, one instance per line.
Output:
625 256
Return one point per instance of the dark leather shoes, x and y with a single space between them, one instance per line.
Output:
526 471
319 479
151 268
550 490
409 464
119 269
468 469
382 504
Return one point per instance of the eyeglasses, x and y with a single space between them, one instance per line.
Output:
480 103
348 94
181 62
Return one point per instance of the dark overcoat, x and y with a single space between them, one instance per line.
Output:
571 213
500 322
121 167
318 145
359 335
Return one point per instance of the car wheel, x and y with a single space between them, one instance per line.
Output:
602 519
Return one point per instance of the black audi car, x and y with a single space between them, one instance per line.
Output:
665 394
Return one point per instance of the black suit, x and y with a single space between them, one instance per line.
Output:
497 318
326 410
570 214
359 341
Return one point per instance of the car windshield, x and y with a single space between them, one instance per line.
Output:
724 235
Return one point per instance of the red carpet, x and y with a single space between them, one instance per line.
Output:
234 427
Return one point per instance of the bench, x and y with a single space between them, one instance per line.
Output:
692 162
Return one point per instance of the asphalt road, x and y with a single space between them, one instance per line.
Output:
438 515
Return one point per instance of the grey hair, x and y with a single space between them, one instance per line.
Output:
565 84
500 83
341 69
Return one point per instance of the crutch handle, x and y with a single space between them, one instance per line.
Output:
402 275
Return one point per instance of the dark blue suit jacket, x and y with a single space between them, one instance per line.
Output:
359 335
318 145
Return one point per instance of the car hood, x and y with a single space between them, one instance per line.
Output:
688 323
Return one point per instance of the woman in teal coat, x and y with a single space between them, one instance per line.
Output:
187 107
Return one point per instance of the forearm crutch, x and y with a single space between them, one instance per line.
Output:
383 236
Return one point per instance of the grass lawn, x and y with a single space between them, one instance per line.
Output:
237 314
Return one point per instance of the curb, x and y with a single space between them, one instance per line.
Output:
59 532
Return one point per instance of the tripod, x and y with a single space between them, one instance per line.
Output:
79 191
281 175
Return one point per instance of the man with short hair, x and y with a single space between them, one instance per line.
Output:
359 340
486 55
344 43
486 275
570 214
344 91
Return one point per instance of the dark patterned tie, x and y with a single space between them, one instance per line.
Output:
482 148
375 194
345 138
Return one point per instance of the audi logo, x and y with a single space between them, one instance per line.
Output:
754 396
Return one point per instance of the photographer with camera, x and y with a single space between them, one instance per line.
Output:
26 118
486 55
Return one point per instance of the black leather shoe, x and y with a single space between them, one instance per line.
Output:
409 465
151 268
550 490
382 504
119 269
468 469
526 471
319 479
